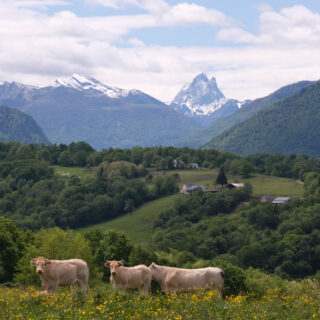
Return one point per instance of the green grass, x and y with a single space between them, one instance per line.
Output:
274 186
294 300
137 225
262 185
82 173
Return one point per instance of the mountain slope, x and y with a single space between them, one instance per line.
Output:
17 126
250 108
84 109
289 126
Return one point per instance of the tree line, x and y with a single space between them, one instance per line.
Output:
80 154
35 197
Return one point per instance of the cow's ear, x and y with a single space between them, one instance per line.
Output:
107 264
33 261
121 262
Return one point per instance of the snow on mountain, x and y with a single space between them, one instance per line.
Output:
81 83
201 97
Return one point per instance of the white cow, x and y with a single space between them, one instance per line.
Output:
178 279
55 273
137 277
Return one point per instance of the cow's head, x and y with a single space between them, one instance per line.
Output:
40 263
153 266
113 265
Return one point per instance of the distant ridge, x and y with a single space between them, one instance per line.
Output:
17 126
288 126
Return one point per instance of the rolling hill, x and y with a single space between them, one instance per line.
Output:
17 126
289 126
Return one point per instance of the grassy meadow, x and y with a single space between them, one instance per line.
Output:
262 185
297 300
137 225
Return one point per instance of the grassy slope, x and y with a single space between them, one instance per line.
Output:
137 225
266 185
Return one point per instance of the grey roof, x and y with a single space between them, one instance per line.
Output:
281 200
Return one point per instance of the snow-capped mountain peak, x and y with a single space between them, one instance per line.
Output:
81 83
200 97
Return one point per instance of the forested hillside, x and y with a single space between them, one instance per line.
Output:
290 126
17 126
251 108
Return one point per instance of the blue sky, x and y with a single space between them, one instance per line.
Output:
246 12
251 47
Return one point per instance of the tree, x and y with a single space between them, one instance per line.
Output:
11 247
112 245
221 178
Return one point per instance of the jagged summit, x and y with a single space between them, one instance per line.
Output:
200 97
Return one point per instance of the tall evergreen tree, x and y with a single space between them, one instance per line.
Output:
221 178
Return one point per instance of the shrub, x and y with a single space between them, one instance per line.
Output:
235 277
53 244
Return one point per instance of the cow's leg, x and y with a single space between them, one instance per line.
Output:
52 287
220 291
145 289
83 286
166 288
44 286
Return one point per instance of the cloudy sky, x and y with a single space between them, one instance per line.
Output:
252 47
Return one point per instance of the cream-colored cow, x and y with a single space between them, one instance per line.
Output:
137 277
55 273
178 279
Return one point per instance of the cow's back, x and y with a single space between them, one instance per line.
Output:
133 277
188 279
69 271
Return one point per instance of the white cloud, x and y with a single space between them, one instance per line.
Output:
154 6
36 3
36 47
294 26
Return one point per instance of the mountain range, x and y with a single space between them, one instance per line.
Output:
82 108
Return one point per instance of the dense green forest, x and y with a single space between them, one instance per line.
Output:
280 239
288 126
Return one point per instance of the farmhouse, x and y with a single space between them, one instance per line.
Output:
189 188
193 165
178 164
